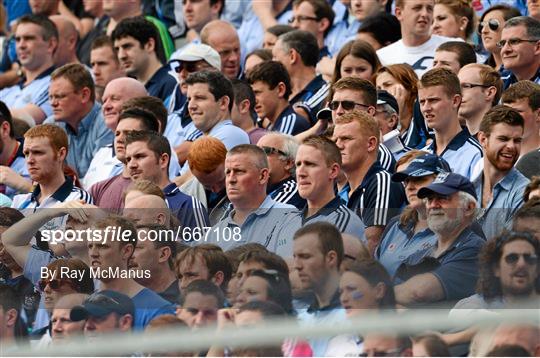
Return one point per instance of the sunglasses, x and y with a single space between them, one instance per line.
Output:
530 259
189 67
346 105
54 284
493 25
270 151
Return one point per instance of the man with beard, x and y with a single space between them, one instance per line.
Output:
500 187
448 270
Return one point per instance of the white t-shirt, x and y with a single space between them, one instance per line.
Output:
419 57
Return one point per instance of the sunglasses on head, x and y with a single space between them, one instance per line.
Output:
493 25
512 259
54 284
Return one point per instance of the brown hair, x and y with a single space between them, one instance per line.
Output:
369 92
322 10
327 147
533 185
405 75
260 160
489 77
328 236
500 114
523 89
56 135
368 125
214 258
78 76
206 154
441 77
151 104
145 187
359 49
84 284
461 8
126 228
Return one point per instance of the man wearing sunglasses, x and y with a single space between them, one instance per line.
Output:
520 50
281 150
500 187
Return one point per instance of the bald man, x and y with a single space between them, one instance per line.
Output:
353 249
526 336
116 93
146 209
67 41
222 37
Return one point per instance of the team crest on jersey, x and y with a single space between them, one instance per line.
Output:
391 247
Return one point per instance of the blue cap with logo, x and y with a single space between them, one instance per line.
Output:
101 304
423 165
447 184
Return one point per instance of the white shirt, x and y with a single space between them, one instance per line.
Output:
419 57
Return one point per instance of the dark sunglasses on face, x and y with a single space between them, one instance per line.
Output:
346 105
493 25
270 151
54 284
530 259
188 66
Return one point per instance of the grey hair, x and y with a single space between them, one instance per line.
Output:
465 199
531 25
289 146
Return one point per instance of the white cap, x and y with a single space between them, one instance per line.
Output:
197 52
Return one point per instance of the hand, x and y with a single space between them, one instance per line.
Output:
79 210
225 317
12 179
262 8
401 94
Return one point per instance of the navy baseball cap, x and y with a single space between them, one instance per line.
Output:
423 165
101 304
384 97
447 184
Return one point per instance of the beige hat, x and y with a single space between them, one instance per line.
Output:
197 52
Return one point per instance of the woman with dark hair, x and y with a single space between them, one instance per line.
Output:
453 18
380 30
365 287
266 285
356 59
256 57
490 29
400 81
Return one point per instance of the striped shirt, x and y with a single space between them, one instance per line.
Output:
289 122
312 97
378 198
462 153
187 209
286 192
386 158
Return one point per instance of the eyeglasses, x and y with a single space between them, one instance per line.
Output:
301 18
513 42
512 259
54 284
270 151
473 85
493 25
346 105
190 67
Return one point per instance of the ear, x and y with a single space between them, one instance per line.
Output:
127 251
243 108
334 171
380 290
294 56
161 218
11 317
281 88
393 120
483 139
53 45
463 22
371 111
490 94
289 164
218 278
331 258
264 174
150 45
224 103
86 94
164 160
372 144
216 8
62 154
399 13
4 129
536 115
324 24
456 101
125 322
164 254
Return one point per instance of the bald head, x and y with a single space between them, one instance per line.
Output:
222 37
68 36
70 301
146 209
116 93
353 247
